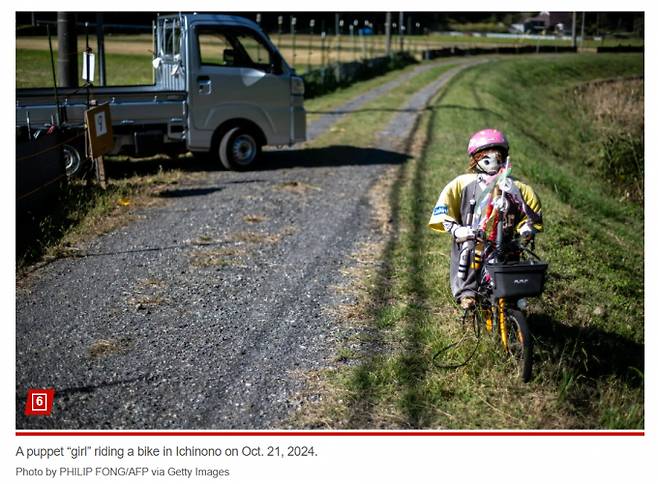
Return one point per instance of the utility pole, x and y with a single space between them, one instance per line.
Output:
100 44
337 30
388 34
573 31
67 50
280 22
401 27
293 22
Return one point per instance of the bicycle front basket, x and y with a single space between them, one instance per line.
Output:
518 279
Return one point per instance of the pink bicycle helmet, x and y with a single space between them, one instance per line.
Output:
487 138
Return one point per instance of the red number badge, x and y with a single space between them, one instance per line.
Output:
39 401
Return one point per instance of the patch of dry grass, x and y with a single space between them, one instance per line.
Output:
151 282
615 104
146 301
237 249
217 257
261 237
147 294
204 240
615 109
255 237
106 347
254 219
297 187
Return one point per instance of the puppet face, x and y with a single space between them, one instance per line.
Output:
489 161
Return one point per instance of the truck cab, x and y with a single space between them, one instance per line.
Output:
240 91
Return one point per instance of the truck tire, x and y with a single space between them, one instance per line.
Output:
239 149
73 161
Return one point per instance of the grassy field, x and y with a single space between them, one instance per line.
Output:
135 50
589 325
33 69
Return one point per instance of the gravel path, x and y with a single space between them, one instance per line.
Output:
401 127
328 118
203 312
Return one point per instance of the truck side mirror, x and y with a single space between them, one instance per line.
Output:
229 57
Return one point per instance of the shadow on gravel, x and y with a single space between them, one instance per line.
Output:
117 168
188 192
330 156
141 250
62 396
271 160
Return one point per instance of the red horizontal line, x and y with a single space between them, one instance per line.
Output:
578 433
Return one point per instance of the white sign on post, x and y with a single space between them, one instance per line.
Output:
88 65
101 124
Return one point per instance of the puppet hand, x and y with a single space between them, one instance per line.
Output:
527 232
462 233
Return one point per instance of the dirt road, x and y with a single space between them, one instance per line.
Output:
205 311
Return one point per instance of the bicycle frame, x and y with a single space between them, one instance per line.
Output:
502 315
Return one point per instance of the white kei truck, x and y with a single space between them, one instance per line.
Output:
220 87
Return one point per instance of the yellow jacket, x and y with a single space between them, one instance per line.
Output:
453 203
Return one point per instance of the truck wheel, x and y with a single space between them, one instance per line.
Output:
239 149
72 161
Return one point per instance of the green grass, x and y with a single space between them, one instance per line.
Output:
589 323
342 95
438 40
33 69
446 40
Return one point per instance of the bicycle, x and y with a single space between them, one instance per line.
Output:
507 278
508 272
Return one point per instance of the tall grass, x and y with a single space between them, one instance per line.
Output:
616 110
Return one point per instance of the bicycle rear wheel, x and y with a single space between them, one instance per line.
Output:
519 342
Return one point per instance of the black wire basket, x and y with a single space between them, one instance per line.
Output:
517 279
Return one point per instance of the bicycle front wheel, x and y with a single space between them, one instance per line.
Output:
519 342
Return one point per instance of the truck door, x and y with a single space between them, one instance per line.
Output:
237 75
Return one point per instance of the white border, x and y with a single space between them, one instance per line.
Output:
385 459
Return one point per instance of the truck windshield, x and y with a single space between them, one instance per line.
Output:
233 47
